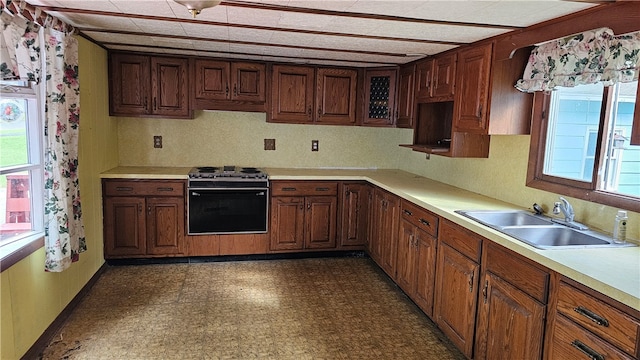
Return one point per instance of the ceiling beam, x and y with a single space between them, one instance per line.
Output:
295 9
66 10
238 42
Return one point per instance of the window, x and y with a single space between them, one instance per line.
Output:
21 168
580 144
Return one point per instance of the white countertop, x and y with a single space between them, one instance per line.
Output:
611 271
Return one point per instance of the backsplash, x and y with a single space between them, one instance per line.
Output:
222 137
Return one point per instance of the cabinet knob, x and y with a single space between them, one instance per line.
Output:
484 291
407 212
471 282
480 112
424 222
309 206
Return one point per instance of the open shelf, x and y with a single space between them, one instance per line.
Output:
427 148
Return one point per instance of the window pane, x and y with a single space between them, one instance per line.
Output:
15 205
13 132
622 160
574 118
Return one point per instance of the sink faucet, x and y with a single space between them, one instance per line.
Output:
569 215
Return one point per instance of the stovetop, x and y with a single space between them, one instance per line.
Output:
227 171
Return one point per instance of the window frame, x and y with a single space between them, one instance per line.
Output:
578 189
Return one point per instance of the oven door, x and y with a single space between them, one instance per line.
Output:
227 211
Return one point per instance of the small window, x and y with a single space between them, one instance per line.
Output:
581 144
21 170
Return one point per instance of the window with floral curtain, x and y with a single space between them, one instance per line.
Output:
27 45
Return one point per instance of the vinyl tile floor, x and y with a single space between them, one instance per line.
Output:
321 308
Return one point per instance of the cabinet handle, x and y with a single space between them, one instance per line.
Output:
124 188
412 240
480 112
407 212
322 189
592 354
484 291
149 210
155 104
319 111
309 206
424 222
471 282
309 111
301 207
226 90
140 209
396 114
164 189
235 90
289 189
592 316
145 102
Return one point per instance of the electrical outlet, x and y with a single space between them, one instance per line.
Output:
314 145
157 142
269 144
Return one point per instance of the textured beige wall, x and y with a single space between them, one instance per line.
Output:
237 138
32 298
503 176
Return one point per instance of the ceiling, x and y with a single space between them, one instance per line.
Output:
361 33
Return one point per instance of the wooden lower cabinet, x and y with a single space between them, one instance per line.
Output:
384 230
456 291
354 215
300 222
510 322
143 218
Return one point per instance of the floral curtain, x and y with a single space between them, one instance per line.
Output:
20 49
586 58
64 232
23 52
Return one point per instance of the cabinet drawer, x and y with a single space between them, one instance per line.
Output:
459 238
517 270
143 188
570 341
304 188
420 217
600 318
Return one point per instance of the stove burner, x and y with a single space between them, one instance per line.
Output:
208 169
250 170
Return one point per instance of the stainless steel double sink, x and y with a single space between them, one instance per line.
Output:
538 231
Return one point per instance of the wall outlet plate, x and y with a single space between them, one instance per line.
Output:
157 142
269 144
314 145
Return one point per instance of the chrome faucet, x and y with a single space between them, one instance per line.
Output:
569 215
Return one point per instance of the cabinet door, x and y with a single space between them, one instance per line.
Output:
510 322
130 91
425 271
389 235
248 81
211 79
456 297
292 94
406 101
424 77
470 111
170 87
406 257
336 96
444 72
321 222
287 223
165 226
124 226
354 217
379 103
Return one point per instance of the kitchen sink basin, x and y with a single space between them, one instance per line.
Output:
502 218
538 231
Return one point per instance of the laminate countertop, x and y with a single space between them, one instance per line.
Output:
614 272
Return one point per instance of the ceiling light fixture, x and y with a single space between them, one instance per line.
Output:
196 6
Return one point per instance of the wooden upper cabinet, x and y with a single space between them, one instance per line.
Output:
142 85
405 103
292 94
471 100
130 90
169 87
300 94
435 78
379 97
224 85
336 96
